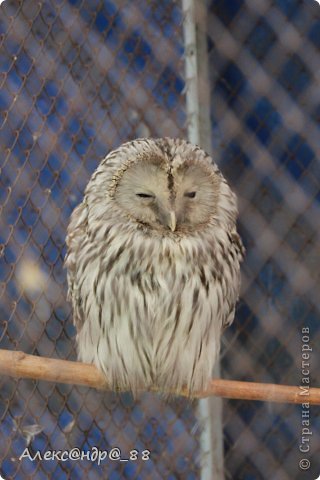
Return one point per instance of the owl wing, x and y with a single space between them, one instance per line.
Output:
76 236
236 254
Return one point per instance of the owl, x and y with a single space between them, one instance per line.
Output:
153 263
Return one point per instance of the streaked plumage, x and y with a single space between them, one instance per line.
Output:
154 265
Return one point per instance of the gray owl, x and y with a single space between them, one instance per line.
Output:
153 259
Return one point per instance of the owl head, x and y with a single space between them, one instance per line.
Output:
167 185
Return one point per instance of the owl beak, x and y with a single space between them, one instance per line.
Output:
172 223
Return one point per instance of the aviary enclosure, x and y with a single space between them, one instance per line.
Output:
240 78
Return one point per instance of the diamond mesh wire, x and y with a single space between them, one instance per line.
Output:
264 78
77 79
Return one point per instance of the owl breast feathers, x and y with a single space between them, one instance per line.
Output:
153 260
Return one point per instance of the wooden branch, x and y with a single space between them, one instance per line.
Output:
20 365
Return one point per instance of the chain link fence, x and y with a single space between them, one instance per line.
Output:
77 79
264 77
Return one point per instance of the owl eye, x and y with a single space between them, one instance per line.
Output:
190 194
145 195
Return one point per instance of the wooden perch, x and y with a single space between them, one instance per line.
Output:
20 365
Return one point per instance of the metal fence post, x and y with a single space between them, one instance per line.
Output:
198 118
